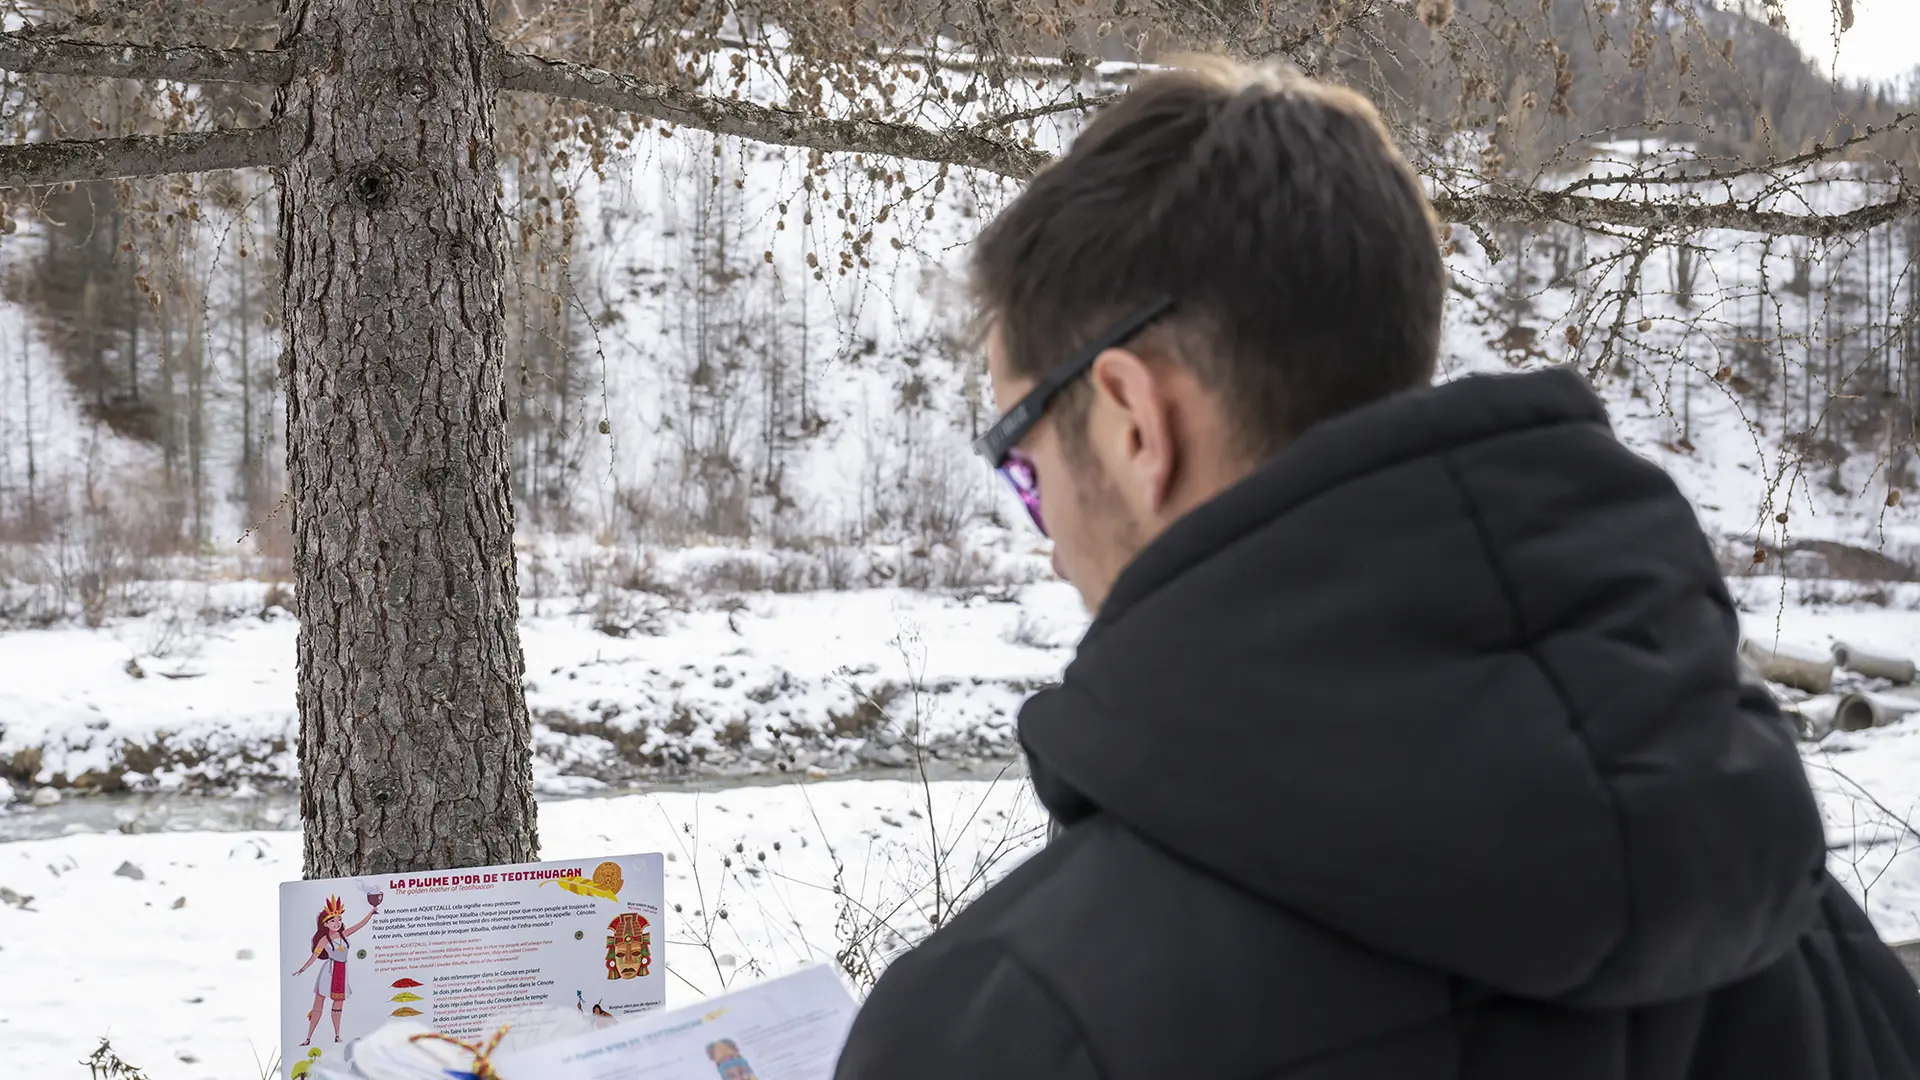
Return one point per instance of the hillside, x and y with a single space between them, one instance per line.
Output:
727 372
743 401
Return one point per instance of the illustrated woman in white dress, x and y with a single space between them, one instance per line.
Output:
330 940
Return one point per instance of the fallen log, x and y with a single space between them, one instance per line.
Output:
1799 669
1864 709
1873 665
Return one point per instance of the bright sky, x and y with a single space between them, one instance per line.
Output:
1883 44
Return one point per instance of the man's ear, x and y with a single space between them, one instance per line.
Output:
1133 428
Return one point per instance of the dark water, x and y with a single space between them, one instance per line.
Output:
186 812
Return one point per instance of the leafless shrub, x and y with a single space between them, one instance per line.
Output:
642 573
277 600
174 630
962 570
105 1064
730 574
1031 633
887 895
870 935
620 613
840 566
96 563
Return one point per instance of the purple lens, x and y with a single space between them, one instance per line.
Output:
1020 474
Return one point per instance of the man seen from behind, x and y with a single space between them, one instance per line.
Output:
1407 742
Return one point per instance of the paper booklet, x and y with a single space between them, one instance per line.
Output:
367 960
789 1028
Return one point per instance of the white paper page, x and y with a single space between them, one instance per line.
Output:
458 949
790 1028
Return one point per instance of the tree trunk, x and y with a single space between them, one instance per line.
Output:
196 360
414 739
249 475
26 395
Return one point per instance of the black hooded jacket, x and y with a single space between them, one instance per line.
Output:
1419 754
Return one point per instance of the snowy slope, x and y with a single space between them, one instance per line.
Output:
1750 397
774 343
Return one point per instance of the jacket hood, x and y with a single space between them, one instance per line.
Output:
1454 676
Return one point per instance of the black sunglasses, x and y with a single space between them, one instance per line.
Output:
999 443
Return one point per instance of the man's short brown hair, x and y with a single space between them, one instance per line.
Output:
1297 243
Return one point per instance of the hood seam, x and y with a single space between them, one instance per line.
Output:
1526 644
1439 443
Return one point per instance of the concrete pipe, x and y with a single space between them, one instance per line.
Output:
1789 667
1814 717
1858 712
1873 665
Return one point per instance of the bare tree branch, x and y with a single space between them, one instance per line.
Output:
971 148
193 64
965 62
36 164
760 123
1585 211
46 163
1079 102
1820 152
29 55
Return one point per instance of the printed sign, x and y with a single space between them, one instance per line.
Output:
790 1028
456 949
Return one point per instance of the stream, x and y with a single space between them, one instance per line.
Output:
279 810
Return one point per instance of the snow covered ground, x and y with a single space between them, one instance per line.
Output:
1868 781
165 942
161 941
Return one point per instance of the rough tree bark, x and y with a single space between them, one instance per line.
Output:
415 743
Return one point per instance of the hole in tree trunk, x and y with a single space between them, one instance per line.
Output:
374 184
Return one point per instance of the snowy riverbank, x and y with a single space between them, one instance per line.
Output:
812 684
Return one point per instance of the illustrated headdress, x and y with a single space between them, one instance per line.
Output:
628 928
334 909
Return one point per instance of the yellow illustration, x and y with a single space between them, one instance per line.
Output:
301 1068
605 884
405 995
